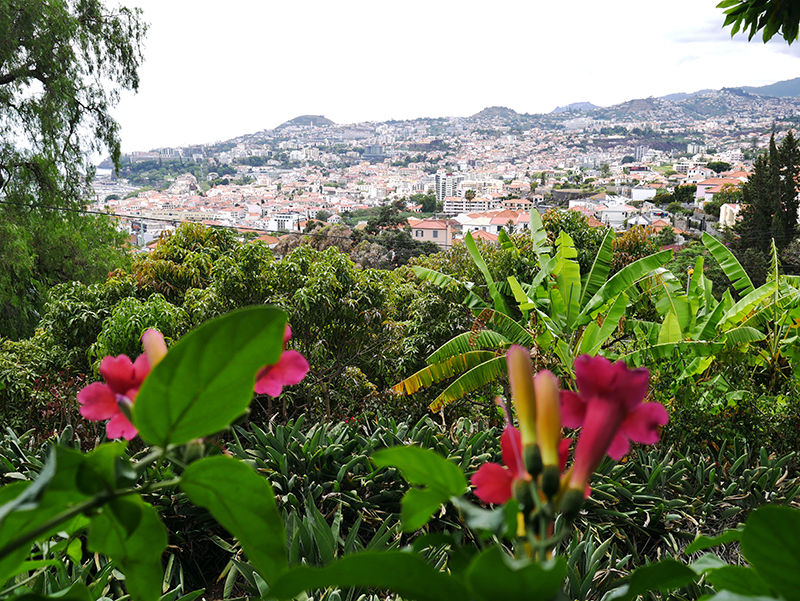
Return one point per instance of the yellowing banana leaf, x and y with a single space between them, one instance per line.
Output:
443 370
469 341
485 373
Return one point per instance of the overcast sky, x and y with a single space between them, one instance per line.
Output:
215 70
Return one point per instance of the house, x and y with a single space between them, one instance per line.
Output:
438 231
728 213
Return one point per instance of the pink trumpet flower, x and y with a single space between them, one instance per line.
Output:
290 369
610 408
111 400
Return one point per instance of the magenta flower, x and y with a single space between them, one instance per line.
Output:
123 378
610 409
494 483
290 369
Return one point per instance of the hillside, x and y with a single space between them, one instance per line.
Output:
312 120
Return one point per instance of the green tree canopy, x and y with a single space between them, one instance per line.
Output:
62 63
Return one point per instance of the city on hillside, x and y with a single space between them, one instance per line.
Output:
454 175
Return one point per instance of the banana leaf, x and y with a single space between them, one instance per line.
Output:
601 265
480 375
538 234
621 281
472 248
568 278
729 264
443 370
469 341
595 336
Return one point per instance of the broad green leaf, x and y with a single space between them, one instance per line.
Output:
601 266
707 562
610 323
439 479
472 248
771 545
687 348
707 328
729 264
206 380
98 471
480 375
406 574
244 504
444 369
665 575
670 297
478 518
538 234
621 281
739 312
137 553
495 576
670 330
743 335
440 279
738 579
568 278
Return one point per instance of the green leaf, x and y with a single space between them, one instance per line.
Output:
538 234
61 493
729 264
738 579
206 380
670 331
601 266
707 562
469 341
771 545
664 575
244 504
472 248
406 574
438 478
98 470
31 497
568 278
610 323
495 576
621 281
477 518
77 592
137 553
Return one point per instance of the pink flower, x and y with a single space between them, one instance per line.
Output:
290 369
611 411
493 482
123 378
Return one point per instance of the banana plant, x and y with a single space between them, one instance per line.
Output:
561 312
761 323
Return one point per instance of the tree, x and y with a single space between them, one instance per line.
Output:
684 194
605 170
628 159
57 61
769 198
771 16
719 166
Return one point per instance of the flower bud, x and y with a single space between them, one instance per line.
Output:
520 376
548 416
154 346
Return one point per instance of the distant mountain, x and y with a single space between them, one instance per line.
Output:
789 88
684 95
575 106
313 120
495 112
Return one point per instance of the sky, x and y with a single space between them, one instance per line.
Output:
217 70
